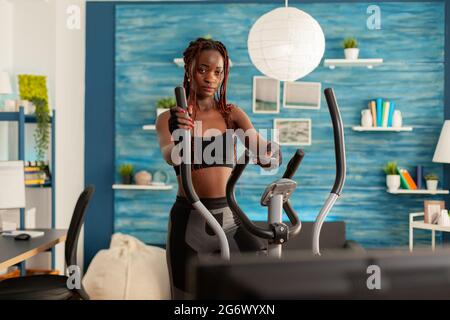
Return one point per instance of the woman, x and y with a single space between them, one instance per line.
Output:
205 83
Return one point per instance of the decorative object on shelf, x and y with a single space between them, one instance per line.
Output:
143 178
351 50
292 132
432 181
266 95
161 177
397 120
5 83
444 219
286 44
366 118
34 89
164 104
126 172
392 177
302 95
442 152
432 210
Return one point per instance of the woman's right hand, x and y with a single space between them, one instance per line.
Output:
180 119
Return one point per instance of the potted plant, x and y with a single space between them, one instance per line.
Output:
351 50
392 176
126 172
432 181
33 89
165 104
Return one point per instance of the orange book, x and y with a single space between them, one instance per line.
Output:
409 179
373 110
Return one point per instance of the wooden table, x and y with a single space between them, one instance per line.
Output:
13 251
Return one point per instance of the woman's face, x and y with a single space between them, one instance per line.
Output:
209 73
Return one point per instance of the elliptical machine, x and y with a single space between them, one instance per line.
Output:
277 194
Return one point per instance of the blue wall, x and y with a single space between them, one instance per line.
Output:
411 42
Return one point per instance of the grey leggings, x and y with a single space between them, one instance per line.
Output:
189 236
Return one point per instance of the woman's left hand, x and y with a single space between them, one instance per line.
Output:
272 158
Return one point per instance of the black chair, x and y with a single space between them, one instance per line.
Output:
52 287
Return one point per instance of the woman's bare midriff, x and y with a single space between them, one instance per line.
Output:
208 182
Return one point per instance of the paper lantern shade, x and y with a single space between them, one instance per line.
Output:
286 44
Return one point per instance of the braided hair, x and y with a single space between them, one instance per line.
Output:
190 56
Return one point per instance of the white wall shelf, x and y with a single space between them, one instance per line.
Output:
359 128
149 127
422 191
141 187
369 63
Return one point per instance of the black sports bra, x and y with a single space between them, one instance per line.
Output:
225 145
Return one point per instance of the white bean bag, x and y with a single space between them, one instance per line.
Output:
128 270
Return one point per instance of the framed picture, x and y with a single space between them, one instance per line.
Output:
302 95
432 210
266 95
292 132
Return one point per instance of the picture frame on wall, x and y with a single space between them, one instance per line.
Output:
266 95
432 210
293 131
302 95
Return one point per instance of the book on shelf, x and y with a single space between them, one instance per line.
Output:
403 183
379 103
391 113
373 111
36 175
419 176
406 180
385 114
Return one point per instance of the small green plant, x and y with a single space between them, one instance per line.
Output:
166 103
391 168
42 132
126 170
34 89
431 176
350 43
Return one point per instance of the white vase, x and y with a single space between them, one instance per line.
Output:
366 118
393 182
159 111
351 53
444 219
432 185
397 120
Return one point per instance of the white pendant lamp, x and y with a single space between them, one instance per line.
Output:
286 44
442 152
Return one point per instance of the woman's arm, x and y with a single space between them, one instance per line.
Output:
252 140
166 123
164 138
